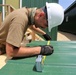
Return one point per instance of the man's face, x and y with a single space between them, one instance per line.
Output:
41 22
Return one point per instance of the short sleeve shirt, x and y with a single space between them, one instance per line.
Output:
14 26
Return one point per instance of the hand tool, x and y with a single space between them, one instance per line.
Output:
40 62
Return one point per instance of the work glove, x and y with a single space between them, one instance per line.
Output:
46 50
47 37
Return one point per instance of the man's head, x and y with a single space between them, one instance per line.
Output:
51 15
40 19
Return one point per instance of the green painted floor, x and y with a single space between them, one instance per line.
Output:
61 62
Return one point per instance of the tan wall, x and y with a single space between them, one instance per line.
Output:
0 18
14 3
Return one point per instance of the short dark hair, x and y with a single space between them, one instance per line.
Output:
45 10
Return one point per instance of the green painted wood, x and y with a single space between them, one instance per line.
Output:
0 6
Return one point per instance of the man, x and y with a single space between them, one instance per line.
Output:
16 23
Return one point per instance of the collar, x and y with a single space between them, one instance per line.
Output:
31 15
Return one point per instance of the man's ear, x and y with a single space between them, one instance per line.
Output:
41 14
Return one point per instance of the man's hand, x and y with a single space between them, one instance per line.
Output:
46 50
47 37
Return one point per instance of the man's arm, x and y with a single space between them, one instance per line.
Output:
21 51
41 32
13 51
37 30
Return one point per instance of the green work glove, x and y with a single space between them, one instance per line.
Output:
47 37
